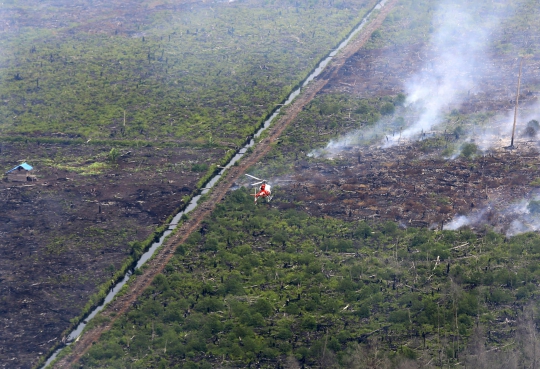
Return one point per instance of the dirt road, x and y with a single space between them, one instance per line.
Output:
156 265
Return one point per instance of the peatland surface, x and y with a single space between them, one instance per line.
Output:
124 109
348 265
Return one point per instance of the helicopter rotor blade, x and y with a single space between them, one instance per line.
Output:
257 183
249 175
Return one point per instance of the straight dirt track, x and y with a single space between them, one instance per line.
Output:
166 252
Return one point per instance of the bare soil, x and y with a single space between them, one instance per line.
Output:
67 233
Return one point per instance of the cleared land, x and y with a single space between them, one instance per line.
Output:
172 88
340 269
76 227
156 265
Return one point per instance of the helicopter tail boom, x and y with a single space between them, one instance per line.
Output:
249 175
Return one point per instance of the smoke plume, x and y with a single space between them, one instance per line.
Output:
512 219
457 47
452 67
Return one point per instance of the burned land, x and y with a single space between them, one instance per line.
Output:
407 186
341 268
383 72
89 210
71 230
122 108
350 161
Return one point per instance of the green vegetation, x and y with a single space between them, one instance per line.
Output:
532 128
101 78
212 73
89 169
413 22
329 116
534 206
469 149
260 285
137 248
113 155
408 23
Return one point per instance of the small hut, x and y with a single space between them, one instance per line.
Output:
21 173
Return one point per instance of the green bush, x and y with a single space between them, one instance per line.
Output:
399 316
113 155
199 167
387 109
534 206
468 150
263 307
363 230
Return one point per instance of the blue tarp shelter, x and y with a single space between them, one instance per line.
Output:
24 166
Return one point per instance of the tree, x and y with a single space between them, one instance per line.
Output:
534 207
363 230
387 108
469 149
400 99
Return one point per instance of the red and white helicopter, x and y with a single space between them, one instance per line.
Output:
264 190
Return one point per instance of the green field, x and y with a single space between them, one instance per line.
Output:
195 74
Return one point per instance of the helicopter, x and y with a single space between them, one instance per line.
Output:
264 190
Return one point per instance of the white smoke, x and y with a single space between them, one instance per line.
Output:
334 147
457 52
457 48
497 132
523 219
513 219
460 221
376 133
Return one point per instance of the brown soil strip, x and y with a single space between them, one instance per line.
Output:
166 252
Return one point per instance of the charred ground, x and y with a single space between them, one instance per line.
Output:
383 71
428 180
340 280
69 232
81 79
407 186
